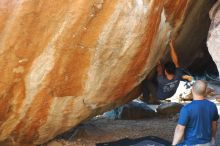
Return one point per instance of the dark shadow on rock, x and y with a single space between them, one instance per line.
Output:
131 111
135 110
170 108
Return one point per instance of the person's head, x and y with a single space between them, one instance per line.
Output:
169 67
199 89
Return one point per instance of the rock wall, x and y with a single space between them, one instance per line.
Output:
64 61
213 41
191 39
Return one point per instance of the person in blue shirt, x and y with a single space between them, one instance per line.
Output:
197 124
168 78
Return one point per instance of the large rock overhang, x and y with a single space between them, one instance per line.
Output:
62 62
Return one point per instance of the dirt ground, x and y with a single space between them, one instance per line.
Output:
100 129
104 130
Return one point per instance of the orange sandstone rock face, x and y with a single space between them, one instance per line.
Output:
64 61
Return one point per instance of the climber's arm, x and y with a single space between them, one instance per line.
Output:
187 77
159 69
174 54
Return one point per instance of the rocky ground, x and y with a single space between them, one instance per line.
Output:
102 129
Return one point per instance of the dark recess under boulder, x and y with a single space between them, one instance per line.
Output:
134 110
131 111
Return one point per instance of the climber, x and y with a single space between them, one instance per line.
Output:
168 79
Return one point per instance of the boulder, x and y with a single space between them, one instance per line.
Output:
113 114
132 111
135 110
65 61
170 108
213 41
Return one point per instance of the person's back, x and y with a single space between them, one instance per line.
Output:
167 88
198 117
198 120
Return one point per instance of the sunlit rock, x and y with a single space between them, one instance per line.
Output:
214 34
65 61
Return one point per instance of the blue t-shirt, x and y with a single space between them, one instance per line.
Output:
197 117
167 88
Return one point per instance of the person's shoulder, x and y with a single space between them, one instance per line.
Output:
185 109
161 78
210 104
180 69
189 105
208 101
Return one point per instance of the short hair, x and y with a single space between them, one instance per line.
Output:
199 87
170 67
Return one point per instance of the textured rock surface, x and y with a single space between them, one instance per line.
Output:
169 108
214 34
64 61
192 35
